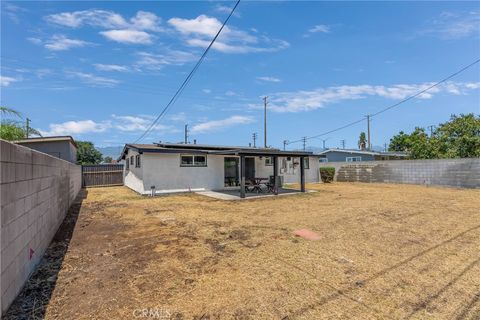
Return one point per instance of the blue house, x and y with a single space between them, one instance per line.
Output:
352 155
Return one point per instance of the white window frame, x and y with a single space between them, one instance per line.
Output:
306 162
353 159
137 161
194 162
268 161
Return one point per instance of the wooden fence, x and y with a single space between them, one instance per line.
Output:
102 175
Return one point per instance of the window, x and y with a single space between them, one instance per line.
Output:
269 161
353 159
306 163
131 160
127 167
137 161
323 160
193 161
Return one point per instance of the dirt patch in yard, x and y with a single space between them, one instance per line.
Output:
385 251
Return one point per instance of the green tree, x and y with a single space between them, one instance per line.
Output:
421 146
87 154
399 142
362 141
107 159
457 138
11 128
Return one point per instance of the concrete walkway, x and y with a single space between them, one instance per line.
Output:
235 194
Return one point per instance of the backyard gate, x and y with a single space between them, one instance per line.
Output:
102 175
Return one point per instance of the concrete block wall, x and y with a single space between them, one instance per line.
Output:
36 191
462 173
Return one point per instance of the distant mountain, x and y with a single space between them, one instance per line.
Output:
113 152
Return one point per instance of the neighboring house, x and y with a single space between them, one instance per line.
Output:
63 147
167 167
352 155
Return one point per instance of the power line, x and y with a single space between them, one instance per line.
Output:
394 105
188 78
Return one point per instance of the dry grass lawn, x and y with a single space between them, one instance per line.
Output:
386 252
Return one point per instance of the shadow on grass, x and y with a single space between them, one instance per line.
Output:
33 299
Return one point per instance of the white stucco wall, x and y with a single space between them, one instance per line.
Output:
163 171
292 172
133 177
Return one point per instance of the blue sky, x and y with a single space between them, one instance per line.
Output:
101 71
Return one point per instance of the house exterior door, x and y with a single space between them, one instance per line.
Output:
249 168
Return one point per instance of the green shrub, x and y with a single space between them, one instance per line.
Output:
327 174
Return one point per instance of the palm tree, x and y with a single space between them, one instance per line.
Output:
12 129
362 141
5 110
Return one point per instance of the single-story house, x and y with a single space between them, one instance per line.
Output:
352 155
170 167
63 147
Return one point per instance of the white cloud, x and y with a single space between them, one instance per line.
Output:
76 127
6 81
34 40
230 93
307 100
207 91
62 43
136 123
178 117
451 25
128 36
155 61
269 79
93 79
472 85
146 21
125 123
322 28
106 19
96 18
12 11
119 29
226 9
110 67
217 125
199 32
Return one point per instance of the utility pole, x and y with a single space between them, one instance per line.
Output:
254 136
431 130
323 141
385 147
285 142
368 134
28 127
265 120
343 143
304 140
186 134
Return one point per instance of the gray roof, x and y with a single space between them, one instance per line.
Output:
210 149
46 139
373 153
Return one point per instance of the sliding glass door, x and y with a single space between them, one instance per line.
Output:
231 166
